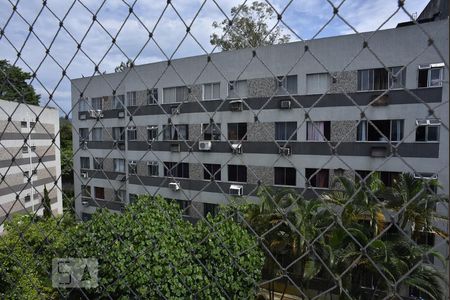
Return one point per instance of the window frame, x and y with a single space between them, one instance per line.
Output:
119 165
285 176
212 84
132 167
231 83
98 190
177 90
100 102
365 123
131 98
283 85
244 136
212 127
429 68
238 168
328 83
213 169
152 166
97 163
120 131
151 128
118 102
285 131
132 133
85 161
426 124
173 131
152 96
325 136
180 168
96 130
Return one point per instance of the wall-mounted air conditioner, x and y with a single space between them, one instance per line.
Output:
96 113
174 186
84 202
236 148
236 105
204 145
285 151
285 104
83 145
84 175
236 190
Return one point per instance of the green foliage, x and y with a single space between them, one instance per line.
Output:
150 251
26 251
14 86
250 28
47 204
66 143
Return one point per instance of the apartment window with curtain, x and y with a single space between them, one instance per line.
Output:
153 169
118 133
152 96
152 132
431 75
237 131
397 78
372 79
174 169
175 94
97 134
318 178
380 130
318 131
83 104
211 132
237 173
212 170
85 163
238 89
285 176
386 177
175 132
287 85
119 165
427 130
131 97
211 91
98 163
132 133
286 131
317 83
132 167
118 102
97 103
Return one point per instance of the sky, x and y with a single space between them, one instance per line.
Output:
305 19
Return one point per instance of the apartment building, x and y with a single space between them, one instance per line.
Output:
206 128
29 159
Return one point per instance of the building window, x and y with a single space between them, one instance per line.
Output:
119 165
427 130
372 79
238 89
318 83
118 102
121 195
318 131
211 91
153 169
175 132
211 132
237 173
84 134
131 97
97 103
285 176
152 96
97 134
83 105
174 169
33 149
26 176
237 131
86 191
386 177
152 133
380 130
132 133
27 198
25 149
85 163
118 133
210 208
287 85
210 170
175 94
430 75
98 163
99 192
397 77
23 125
317 178
286 131
132 167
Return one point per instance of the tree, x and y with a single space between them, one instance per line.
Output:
66 143
47 205
249 28
14 86
123 66
149 251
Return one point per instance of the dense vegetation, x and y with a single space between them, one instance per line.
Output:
14 85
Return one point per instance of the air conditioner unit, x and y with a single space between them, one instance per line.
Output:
83 145
95 113
285 151
174 110
84 175
285 104
84 202
236 105
204 145
174 186
121 114
236 190
236 148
